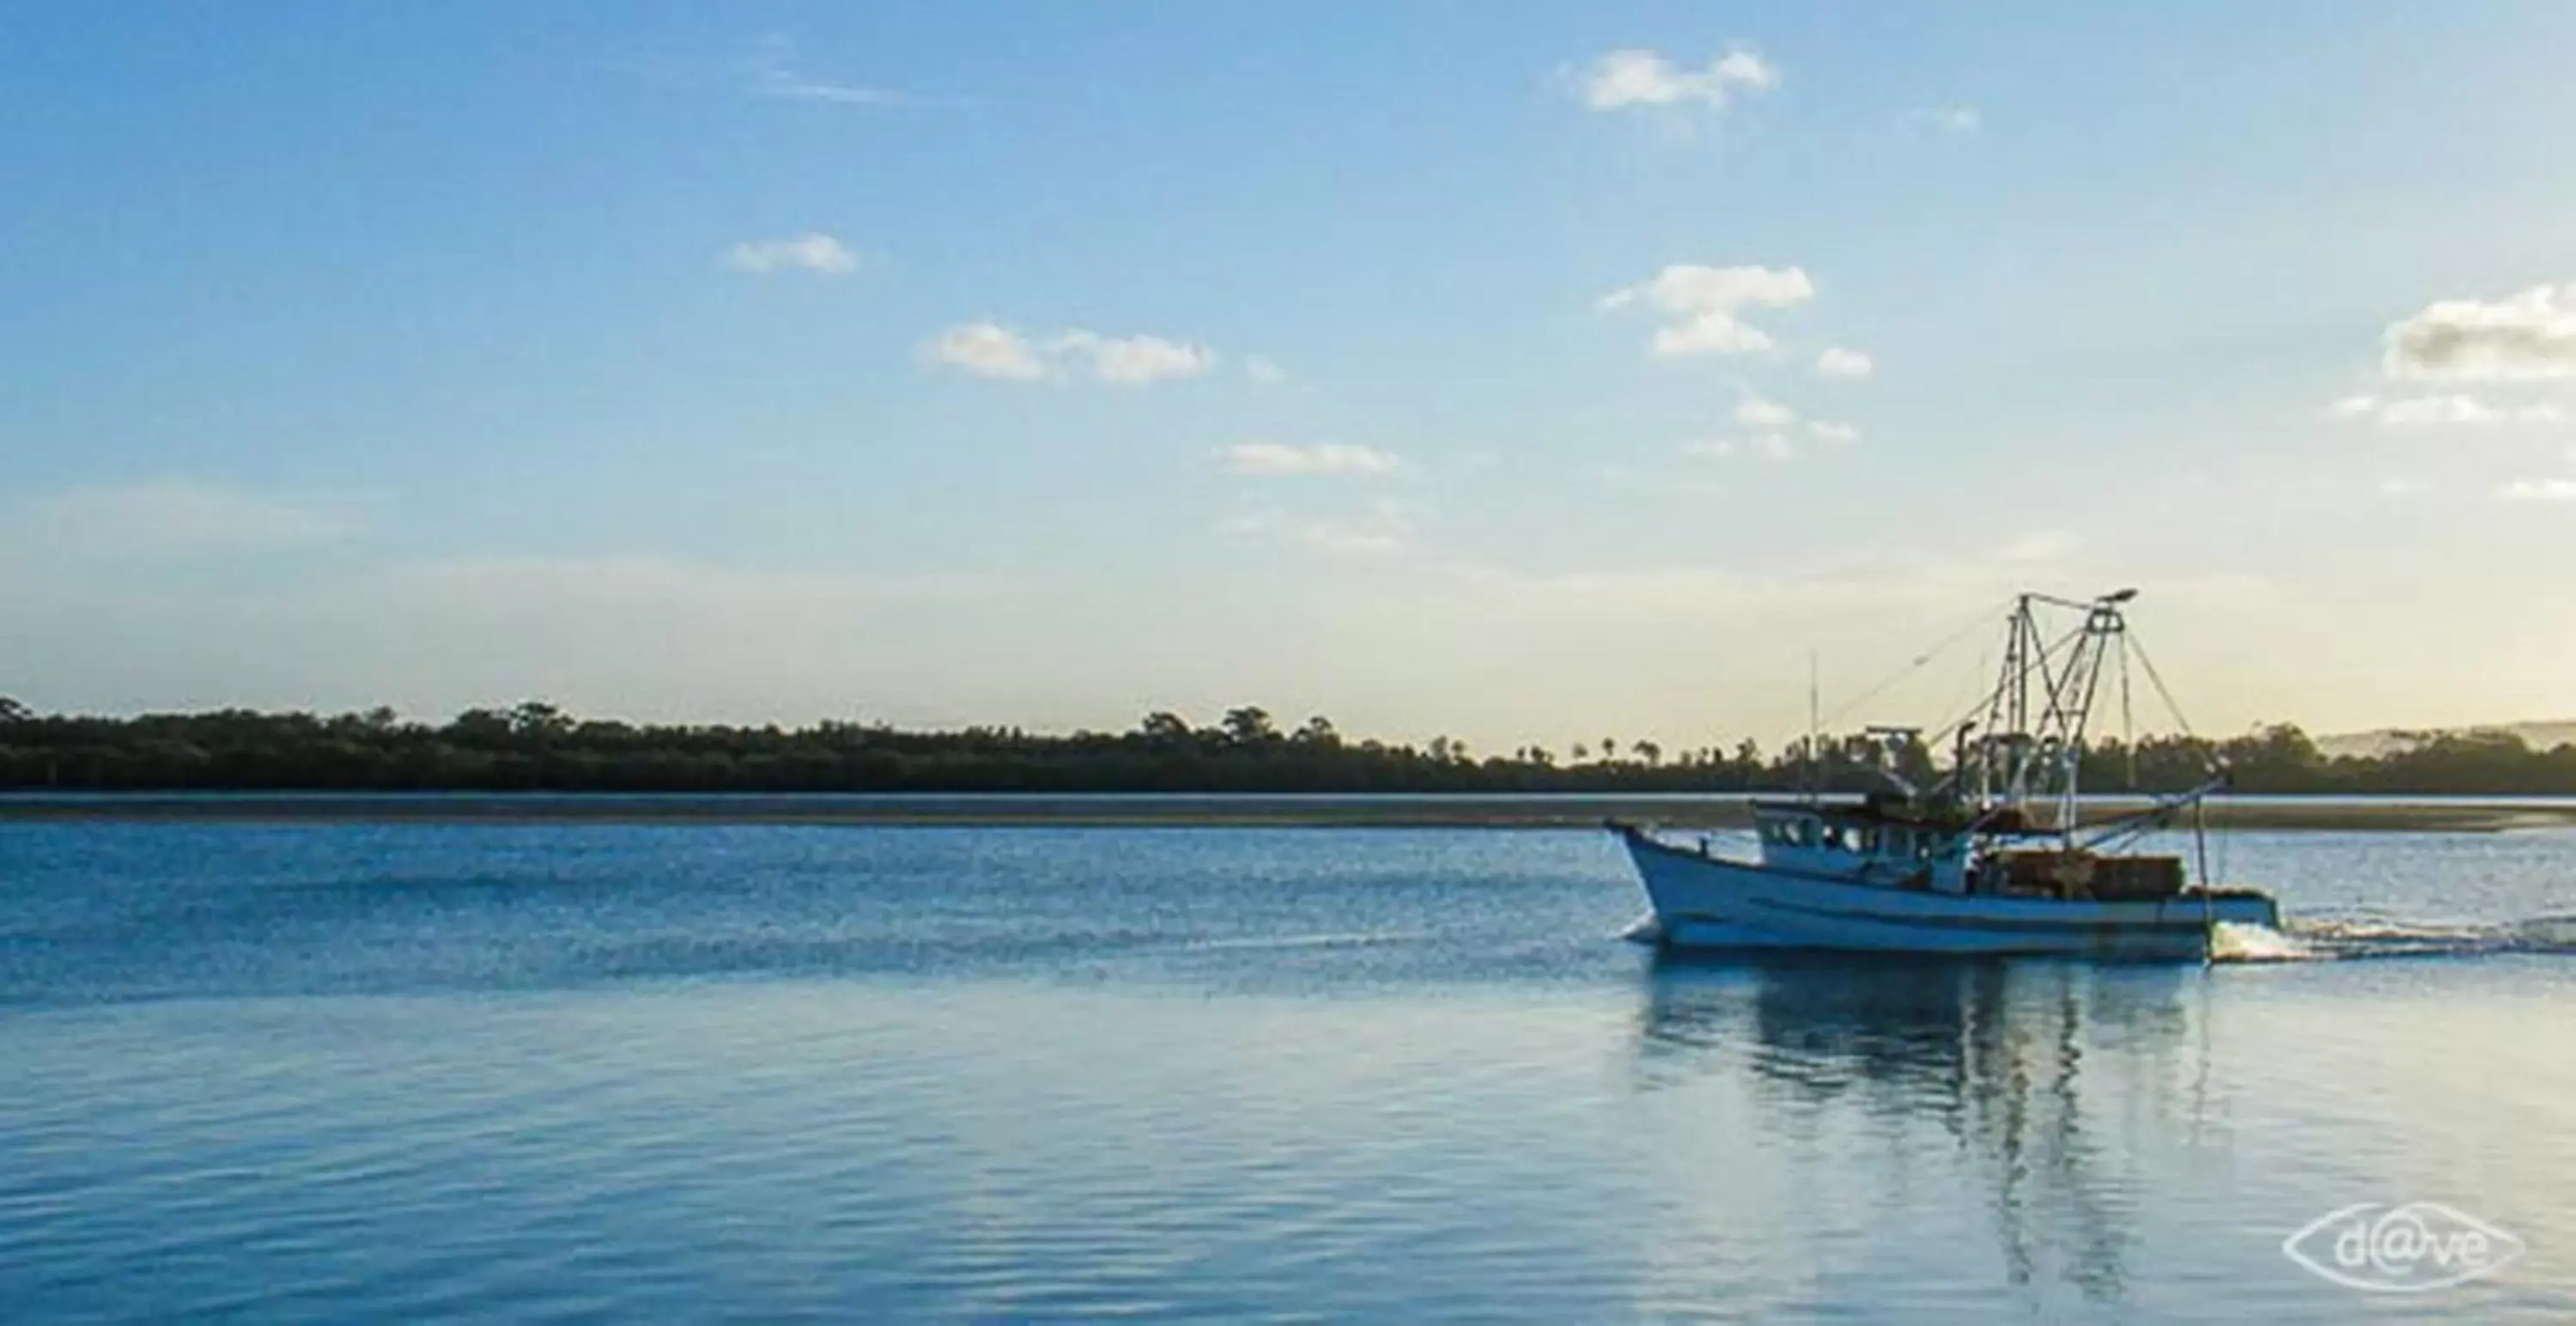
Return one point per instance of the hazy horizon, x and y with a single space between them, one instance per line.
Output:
1521 377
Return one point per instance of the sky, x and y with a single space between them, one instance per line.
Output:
1525 373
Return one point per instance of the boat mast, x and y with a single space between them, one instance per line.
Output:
2047 754
2071 704
2006 715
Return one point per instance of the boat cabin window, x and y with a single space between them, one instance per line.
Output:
1891 842
1860 840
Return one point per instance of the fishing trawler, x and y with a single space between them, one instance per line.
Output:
1992 857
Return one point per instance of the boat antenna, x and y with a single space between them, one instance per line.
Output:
1815 726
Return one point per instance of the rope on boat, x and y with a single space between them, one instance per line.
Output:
1975 626
2159 683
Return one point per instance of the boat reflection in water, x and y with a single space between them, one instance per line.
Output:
1996 1122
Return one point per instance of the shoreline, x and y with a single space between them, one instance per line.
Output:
1172 810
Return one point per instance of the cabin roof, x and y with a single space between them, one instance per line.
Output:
1863 813
1896 813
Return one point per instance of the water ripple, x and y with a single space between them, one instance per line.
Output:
937 1075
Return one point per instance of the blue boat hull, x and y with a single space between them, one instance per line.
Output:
1704 901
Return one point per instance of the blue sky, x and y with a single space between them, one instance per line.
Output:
1443 368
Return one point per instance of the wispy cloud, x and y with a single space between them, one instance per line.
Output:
1134 359
2539 490
1844 363
991 350
770 72
2438 410
1775 445
2046 545
2530 336
1957 121
178 514
612 632
610 580
1264 370
1273 459
1704 305
813 251
1637 78
1384 530
1771 433
1888 579
988 350
1755 412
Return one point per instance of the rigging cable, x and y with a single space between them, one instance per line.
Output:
2029 665
2159 682
2214 762
1984 616
1987 707
2128 722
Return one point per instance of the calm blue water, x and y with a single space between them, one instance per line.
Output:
341 1072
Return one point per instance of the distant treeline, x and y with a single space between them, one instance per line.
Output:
536 746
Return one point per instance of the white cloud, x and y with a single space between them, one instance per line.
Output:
1771 433
2525 337
1281 458
1384 531
1264 370
1944 119
2539 490
2403 487
1134 359
840 94
2044 545
988 350
1756 412
1842 362
169 514
812 252
2438 410
1705 302
2456 408
1623 80
769 73
1767 446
